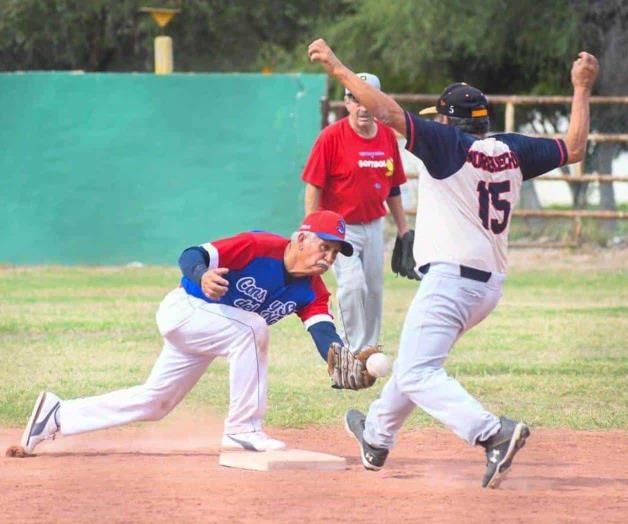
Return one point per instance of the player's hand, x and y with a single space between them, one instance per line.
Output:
584 71
212 283
319 51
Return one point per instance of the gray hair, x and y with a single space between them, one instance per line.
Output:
308 235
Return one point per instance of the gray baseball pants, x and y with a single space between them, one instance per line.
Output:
360 285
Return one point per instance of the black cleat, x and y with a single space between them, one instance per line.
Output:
501 449
372 458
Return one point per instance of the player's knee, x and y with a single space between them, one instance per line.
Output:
417 378
260 332
158 411
158 403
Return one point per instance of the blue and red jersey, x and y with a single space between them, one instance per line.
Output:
258 280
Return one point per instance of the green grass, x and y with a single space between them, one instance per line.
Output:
554 352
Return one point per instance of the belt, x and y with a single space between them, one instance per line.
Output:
465 272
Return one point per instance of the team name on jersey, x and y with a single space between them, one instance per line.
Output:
277 310
372 163
387 164
371 153
247 286
492 164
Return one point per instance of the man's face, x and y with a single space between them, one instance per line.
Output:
358 115
315 255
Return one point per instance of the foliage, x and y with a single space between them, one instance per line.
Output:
69 34
420 46
505 46
100 35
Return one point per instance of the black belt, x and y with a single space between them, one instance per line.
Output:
465 272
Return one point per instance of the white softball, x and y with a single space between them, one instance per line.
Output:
378 365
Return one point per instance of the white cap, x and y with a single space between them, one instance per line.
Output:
369 79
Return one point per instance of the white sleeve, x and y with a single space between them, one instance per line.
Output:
316 319
213 254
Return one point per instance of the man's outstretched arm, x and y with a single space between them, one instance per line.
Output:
583 74
378 103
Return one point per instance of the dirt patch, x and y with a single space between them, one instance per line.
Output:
169 472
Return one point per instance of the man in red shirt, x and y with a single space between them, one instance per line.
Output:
353 168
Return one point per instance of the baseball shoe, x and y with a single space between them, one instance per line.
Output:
372 458
501 449
251 441
42 425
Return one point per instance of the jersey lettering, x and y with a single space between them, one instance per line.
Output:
490 192
246 304
372 163
277 310
247 287
493 164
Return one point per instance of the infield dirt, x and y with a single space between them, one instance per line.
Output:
169 472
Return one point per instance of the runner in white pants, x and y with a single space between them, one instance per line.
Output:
231 290
464 211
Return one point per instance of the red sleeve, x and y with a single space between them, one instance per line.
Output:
233 252
318 163
320 304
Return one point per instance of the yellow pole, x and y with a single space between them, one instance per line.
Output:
164 62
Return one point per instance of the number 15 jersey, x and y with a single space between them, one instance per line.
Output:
465 205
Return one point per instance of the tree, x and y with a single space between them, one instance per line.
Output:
66 34
605 31
100 35
421 45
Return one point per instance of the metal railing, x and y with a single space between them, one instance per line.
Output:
579 176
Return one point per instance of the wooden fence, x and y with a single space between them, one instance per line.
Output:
580 176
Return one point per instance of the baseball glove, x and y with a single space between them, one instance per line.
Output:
402 261
348 370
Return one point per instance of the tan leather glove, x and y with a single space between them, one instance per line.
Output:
348 370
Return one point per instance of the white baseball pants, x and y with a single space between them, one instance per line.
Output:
195 333
360 285
445 306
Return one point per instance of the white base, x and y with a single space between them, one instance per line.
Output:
285 459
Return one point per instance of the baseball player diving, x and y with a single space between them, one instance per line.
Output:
464 212
230 292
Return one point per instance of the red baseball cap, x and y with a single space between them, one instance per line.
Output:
328 226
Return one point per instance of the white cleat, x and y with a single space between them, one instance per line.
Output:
251 441
42 424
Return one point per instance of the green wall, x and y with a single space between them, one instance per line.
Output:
114 168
